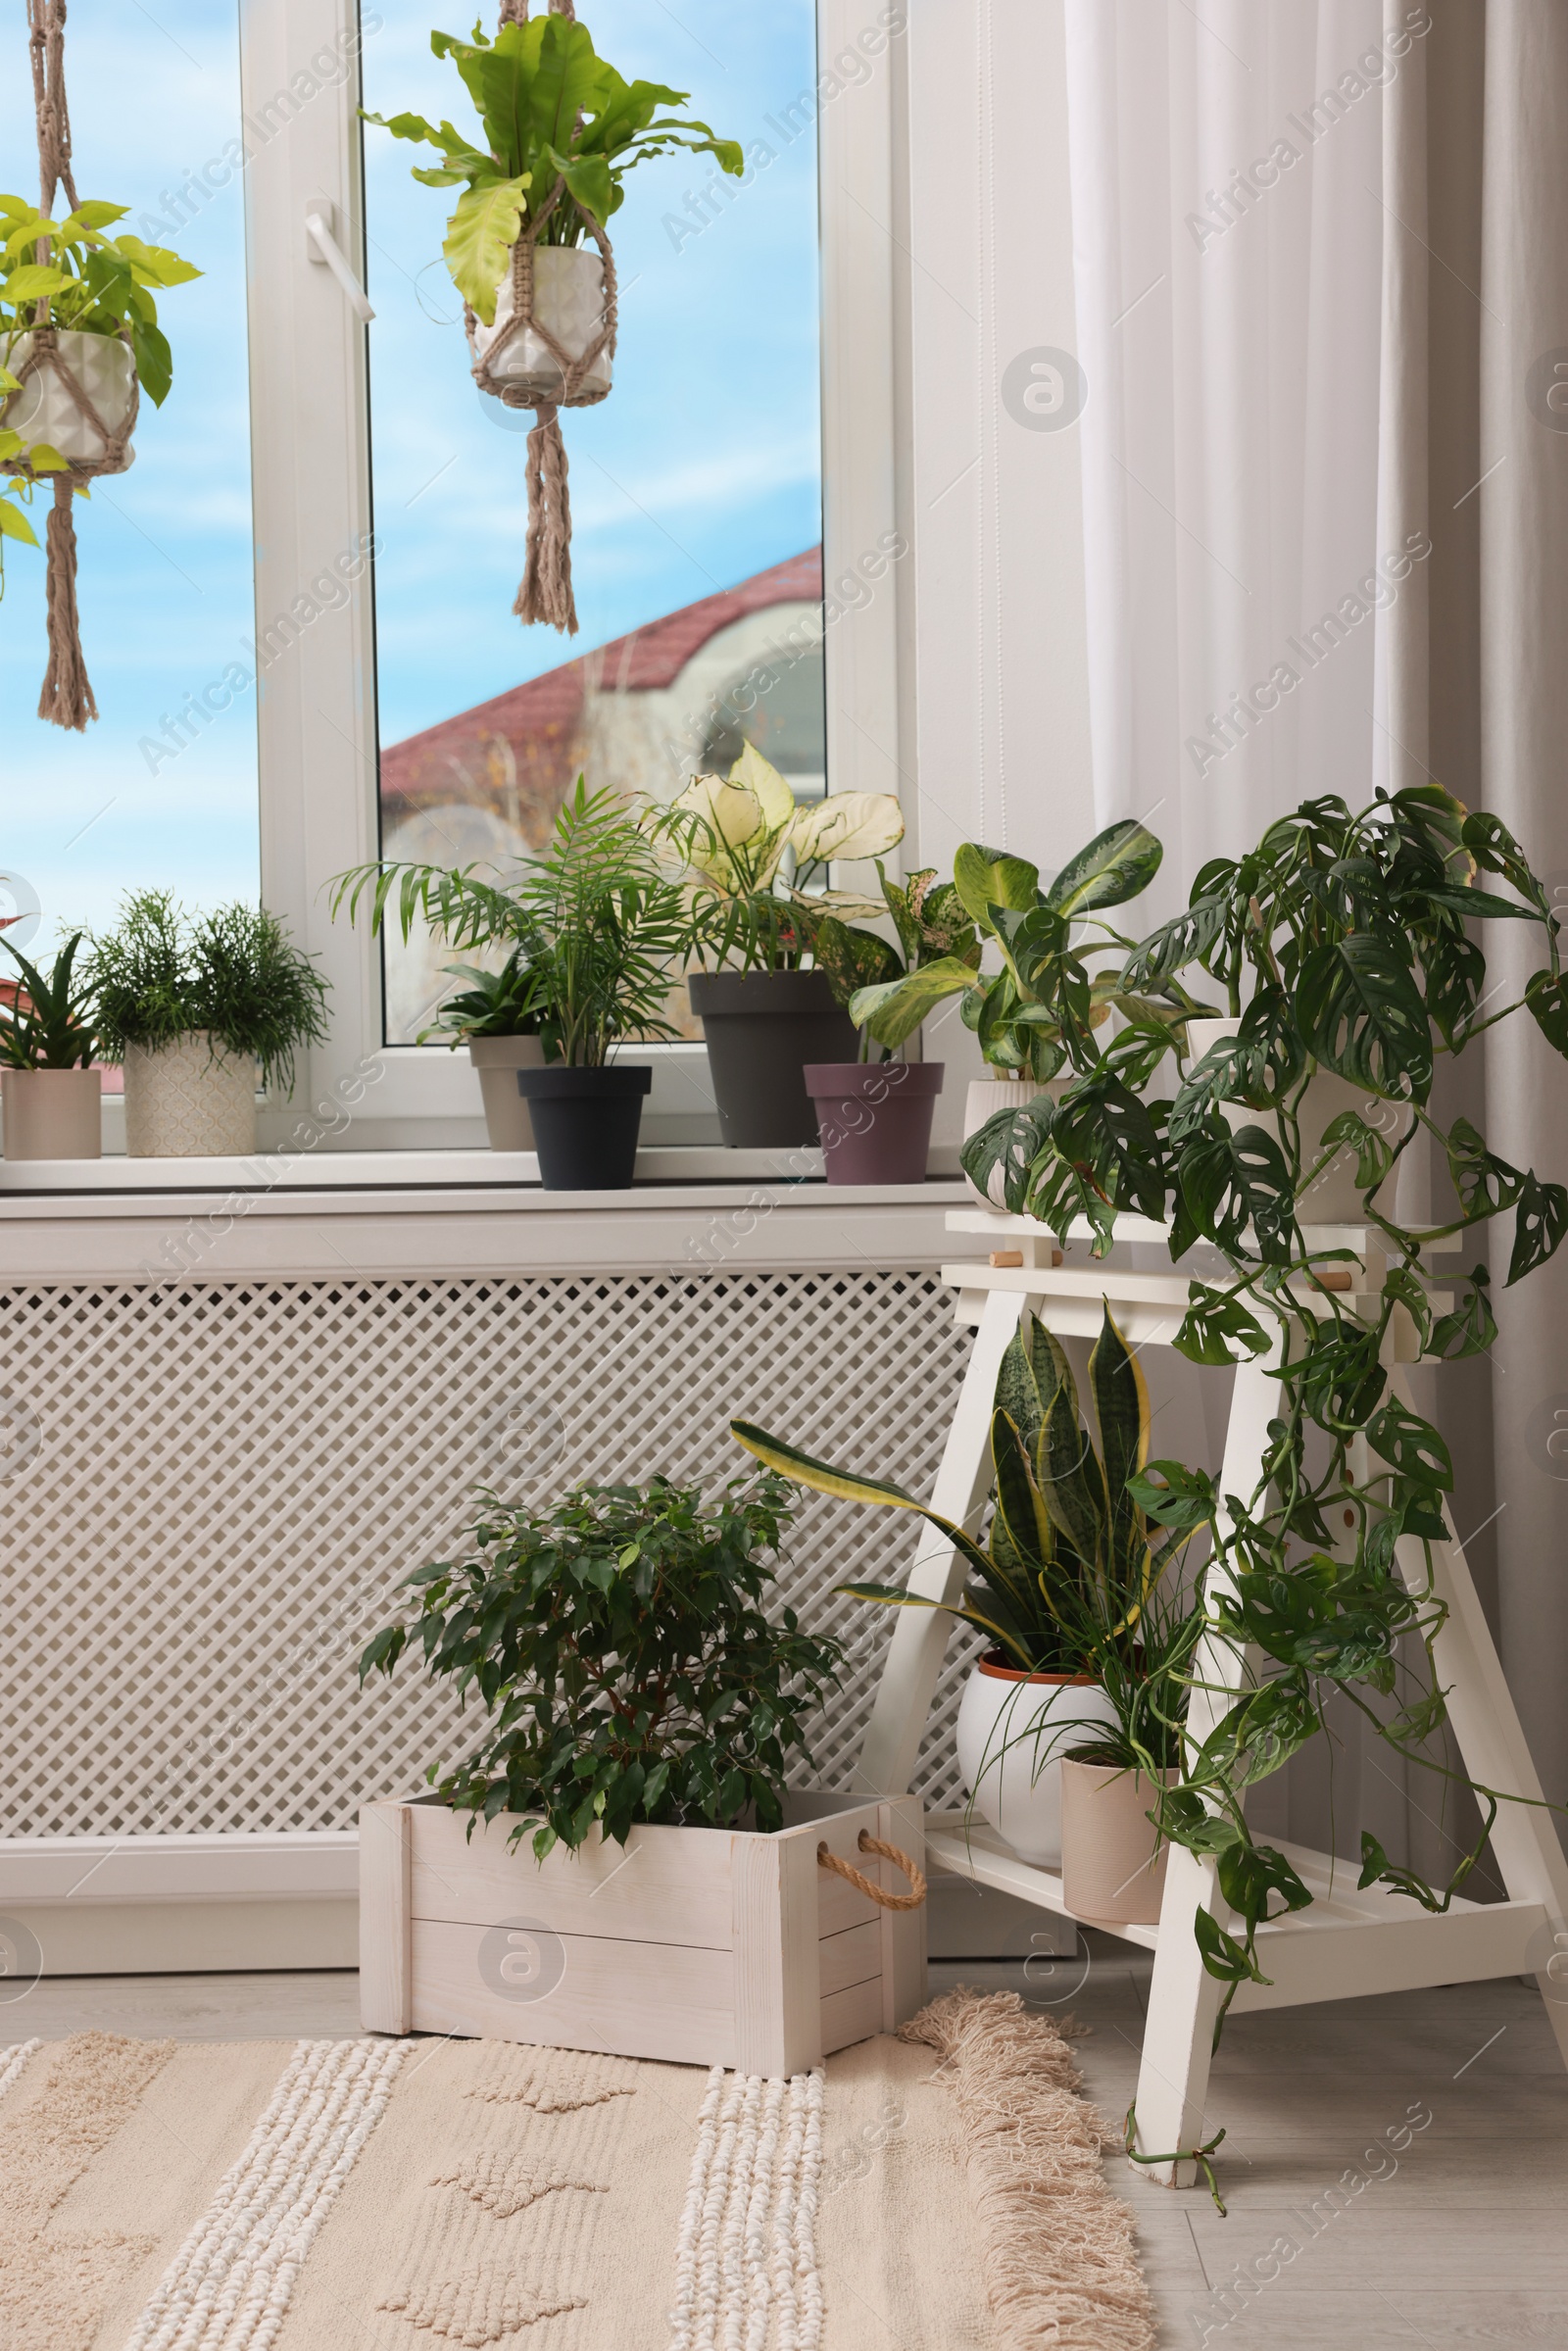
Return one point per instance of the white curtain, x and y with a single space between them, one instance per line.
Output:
1321 266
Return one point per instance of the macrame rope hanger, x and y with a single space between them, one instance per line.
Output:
545 593
66 699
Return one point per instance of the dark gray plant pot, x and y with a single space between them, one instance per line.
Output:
762 1028
585 1124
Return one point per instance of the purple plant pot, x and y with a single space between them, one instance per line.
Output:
875 1118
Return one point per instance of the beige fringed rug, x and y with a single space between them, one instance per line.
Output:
938 2192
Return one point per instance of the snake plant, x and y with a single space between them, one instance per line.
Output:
1070 1560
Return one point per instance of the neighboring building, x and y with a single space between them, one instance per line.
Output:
643 713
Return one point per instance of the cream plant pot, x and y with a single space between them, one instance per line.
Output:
1012 1732
498 1060
569 299
1335 1197
1110 1869
186 1102
52 1113
985 1098
44 410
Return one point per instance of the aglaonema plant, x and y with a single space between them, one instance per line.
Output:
1342 944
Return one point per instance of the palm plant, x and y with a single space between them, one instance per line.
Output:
1070 1565
603 925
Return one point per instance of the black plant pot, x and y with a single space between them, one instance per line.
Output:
762 1028
585 1124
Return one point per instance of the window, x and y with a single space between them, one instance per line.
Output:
161 789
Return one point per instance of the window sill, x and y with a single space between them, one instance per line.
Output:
382 1215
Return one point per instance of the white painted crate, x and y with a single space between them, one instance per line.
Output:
699 1946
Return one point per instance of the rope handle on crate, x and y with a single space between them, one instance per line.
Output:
865 1886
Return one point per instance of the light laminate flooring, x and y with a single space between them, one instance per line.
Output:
1340 2232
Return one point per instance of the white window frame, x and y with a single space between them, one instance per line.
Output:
309 385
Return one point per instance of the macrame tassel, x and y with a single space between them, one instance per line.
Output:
546 590
66 699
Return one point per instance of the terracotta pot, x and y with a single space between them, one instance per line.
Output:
1013 1729
52 1113
875 1118
1335 1197
985 1098
1110 1868
506 1116
186 1102
569 299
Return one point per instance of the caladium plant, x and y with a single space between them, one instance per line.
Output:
70 274
559 129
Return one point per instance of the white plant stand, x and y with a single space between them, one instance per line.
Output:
1348 1942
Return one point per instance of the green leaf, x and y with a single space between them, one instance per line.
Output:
1116 865
1471 1328
1486 1184
1539 1226
1121 1407
1235 1184
32 280
480 238
155 364
1361 1014
1183 1499
1223 1956
1412 1445
14 523
1019 1502
894 1009
1548 1000
1374 1153
1211 1323
824 1479
989 877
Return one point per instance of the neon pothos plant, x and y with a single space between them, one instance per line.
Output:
553 115
1039 1013
1073 1577
1343 941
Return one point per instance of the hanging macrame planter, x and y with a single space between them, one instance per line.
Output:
550 348
79 392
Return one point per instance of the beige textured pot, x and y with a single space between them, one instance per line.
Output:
498 1060
985 1098
52 1113
186 1102
1335 1197
1109 1868
569 299
44 408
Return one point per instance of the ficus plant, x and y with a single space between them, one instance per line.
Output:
1344 942
631 1658
559 129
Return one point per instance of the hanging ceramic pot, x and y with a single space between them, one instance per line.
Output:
569 303
43 410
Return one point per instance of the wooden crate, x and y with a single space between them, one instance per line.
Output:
702 1946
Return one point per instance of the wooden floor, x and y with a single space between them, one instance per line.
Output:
1339 2233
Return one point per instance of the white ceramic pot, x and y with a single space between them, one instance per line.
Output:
1335 1197
568 298
498 1060
984 1099
44 410
1013 1730
186 1102
52 1113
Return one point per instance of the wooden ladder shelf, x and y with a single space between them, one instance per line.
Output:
1348 1942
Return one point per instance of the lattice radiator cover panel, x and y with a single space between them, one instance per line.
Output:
211 1495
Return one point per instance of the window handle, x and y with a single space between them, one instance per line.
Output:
324 248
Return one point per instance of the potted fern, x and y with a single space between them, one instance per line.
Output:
48 1047
201 1009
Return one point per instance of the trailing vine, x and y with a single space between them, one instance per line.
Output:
1343 946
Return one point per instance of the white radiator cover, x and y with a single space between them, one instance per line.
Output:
212 1493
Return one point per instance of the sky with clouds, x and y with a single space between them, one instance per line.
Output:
702 466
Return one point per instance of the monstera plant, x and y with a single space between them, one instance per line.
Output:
1344 944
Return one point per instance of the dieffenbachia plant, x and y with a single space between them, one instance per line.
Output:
753 852
551 112
1037 1016
1343 941
931 925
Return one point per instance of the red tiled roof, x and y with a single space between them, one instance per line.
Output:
542 720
